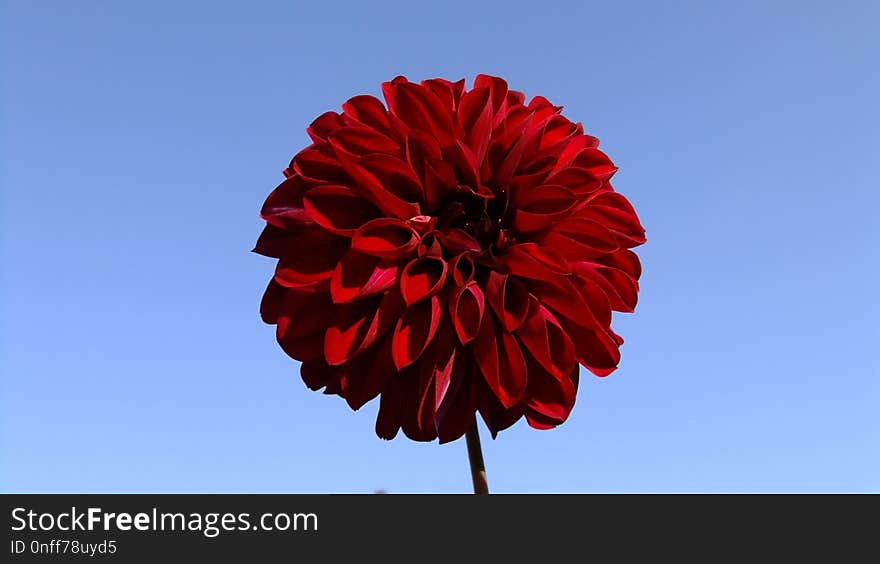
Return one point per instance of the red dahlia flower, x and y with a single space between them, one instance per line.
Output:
459 251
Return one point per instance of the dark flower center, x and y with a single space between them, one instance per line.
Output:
481 217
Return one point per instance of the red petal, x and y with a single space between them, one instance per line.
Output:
584 313
475 121
386 316
595 161
509 299
392 407
612 210
456 412
271 302
415 330
463 159
524 182
430 246
360 141
439 178
363 381
303 315
550 400
435 368
626 261
515 98
568 300
275 242
513 371
441 359
444 90
319 254
420 147
541 422
596 349
387 238
548 343
349 329
557 132
317 166
323 125
485 351
358 275
284 206
579 239
422 277
418 423
542 207
501 362
396 195
578 180
393 176
457 241
420 109
369 111
339 209
574 146
347 335
595 298
542 108
304 349
496 86
496 416
462 269
621 289
423 224
530 260
316 374
301 323
466 309
515 125
525 144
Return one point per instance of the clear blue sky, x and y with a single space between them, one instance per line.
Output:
140 139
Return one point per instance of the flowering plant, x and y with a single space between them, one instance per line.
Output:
456 251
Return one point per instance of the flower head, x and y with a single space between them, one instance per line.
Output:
457 251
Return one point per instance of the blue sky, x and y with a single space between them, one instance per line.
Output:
140 139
